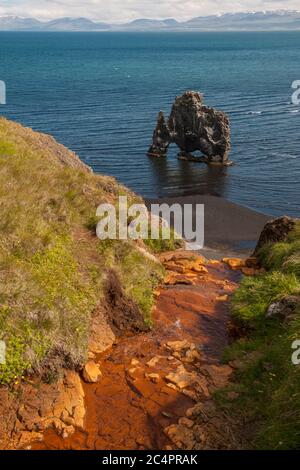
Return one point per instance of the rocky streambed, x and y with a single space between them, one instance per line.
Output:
155 389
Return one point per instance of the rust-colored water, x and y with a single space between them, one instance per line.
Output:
126 410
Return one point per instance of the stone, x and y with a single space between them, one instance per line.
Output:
277 230
284 308
222 298
72 400
153 361
60 406
194 411
197 268
187 267
181 436
252 262
182 378
101 335
235 263
135 362
190 393
161 137
91 372
203 411
202 387
192 126
176 279
177 355
192 355
27 437
250 271
181 256
219 374
131 372
65 434
186 422
153 377
177 346
172 386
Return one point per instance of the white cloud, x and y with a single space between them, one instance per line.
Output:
124 10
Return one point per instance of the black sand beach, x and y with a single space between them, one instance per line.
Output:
230 229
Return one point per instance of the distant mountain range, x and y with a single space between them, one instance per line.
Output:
257 21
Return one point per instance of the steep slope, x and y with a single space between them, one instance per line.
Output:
53 269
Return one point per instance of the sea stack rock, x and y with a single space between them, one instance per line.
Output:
161 138
276 231
193 126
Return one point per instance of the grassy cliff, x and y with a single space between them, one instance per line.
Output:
267 384
52 266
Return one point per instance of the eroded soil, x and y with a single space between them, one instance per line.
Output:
150 385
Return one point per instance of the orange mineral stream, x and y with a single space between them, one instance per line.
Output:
134 401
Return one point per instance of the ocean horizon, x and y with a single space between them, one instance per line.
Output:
99 94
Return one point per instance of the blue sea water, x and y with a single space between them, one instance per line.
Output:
99 94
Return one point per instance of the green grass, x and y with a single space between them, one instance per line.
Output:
266 381
252 299
6 148
284 256
52 266
160 245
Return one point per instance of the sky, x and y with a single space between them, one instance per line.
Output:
126 10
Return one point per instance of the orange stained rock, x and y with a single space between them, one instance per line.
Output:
235 263
134 402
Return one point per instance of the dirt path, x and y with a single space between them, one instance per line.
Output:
151 380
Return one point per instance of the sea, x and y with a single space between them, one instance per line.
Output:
99 94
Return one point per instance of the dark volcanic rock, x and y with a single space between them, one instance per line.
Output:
161 138
275 231
193 126
284 308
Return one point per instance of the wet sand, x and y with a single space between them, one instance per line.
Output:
230 229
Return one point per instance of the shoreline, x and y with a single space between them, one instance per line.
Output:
230 229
